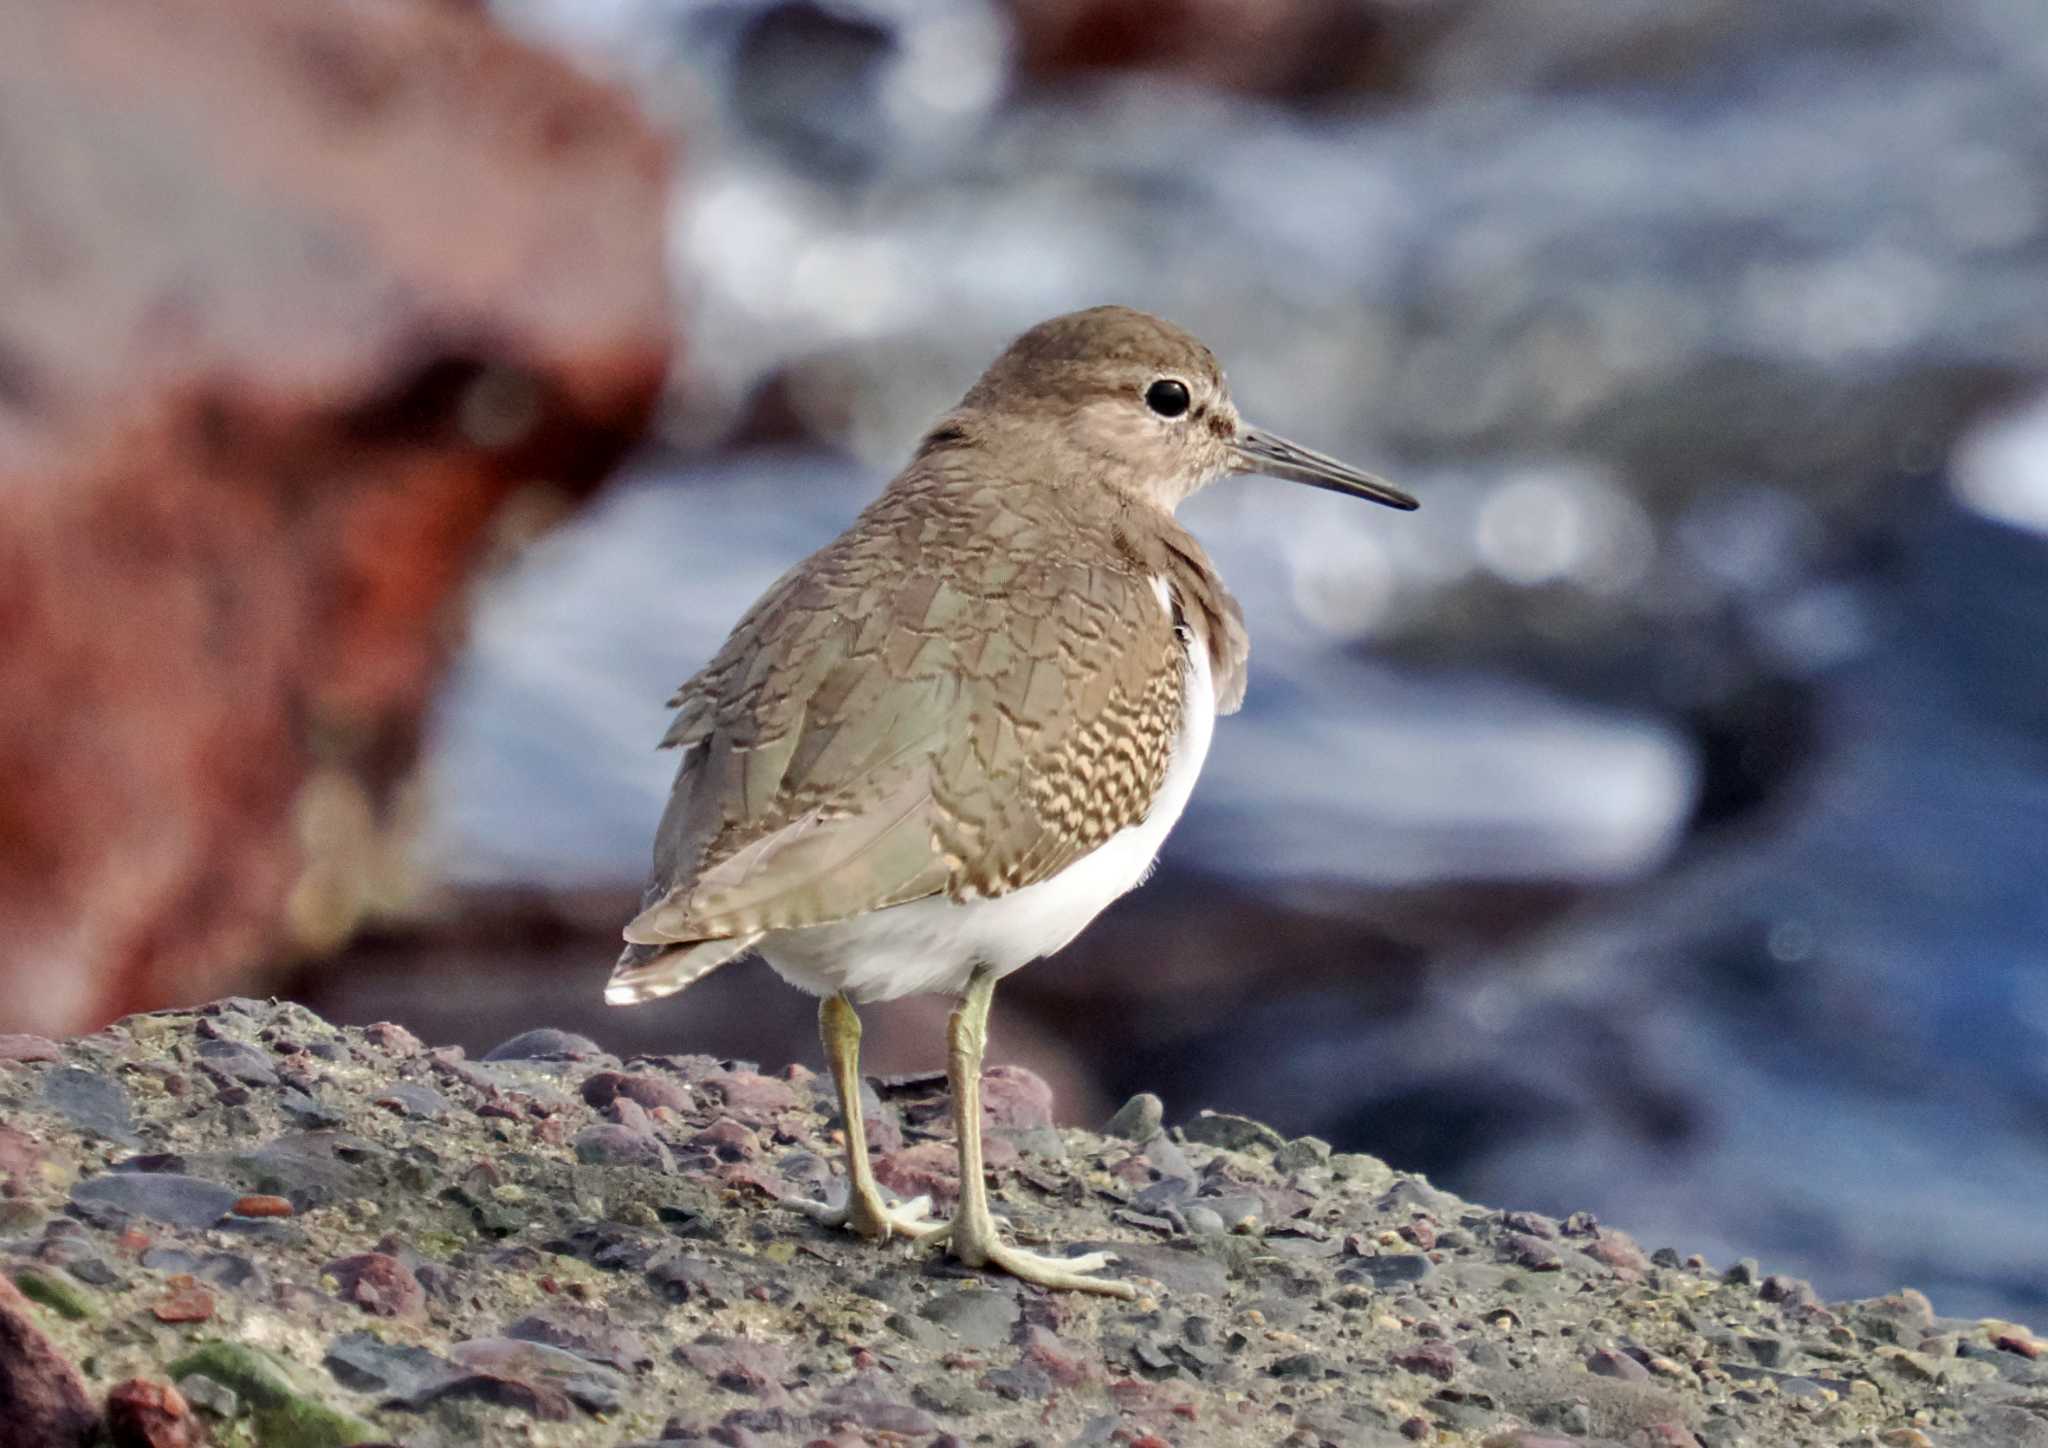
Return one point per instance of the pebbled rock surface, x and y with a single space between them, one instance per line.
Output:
273 1255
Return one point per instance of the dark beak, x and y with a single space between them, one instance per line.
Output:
1259 451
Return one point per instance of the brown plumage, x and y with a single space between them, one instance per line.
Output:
937 747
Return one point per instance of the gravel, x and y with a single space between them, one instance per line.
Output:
560 1247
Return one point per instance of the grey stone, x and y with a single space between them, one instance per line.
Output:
1232 1133
213 1396
979 1317
411 1099
1389 1269
365 1363
609 1145
92 1101
239 1062
546 1044
1301 1154
169 1197
1139 1119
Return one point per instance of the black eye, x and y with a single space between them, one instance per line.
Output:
1167 397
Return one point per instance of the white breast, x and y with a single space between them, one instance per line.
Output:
933 945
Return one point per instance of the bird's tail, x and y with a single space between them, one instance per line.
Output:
648 972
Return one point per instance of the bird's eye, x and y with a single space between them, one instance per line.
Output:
1167 397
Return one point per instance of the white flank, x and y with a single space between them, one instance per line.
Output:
932 945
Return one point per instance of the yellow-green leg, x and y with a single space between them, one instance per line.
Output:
971 1235
864 1211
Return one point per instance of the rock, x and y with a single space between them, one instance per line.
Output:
686 1279
209 1396
1903 1318
591 1386
169 1197
337 284
90 1100
1301 1154
727 1140
545 1045
1531 1224
16 1047
750 1097
603 1088
410 1099
586 1332
1139 1119
978 1317
755 1369
378 1283
1430 1359
146 1414
610 1145
262 1205
365 1363
1527 1250
238 1062
53 1292
1233 1133
1014 1098
1607 1363
1271 47
1619 1251
184 1300
1390 1269
20 1157
868 1402
45 1401
393 1039
285 1417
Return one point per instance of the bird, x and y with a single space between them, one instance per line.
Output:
937 748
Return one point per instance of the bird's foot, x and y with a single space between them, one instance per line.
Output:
867 1214
975 1244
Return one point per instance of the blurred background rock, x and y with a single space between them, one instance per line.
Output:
1656 823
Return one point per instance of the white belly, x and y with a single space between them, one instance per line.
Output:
933 945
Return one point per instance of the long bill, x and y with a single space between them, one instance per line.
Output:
1259 451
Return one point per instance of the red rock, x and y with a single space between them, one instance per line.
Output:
379 1284
1617 1250
20 1155
29 1048
1055 1359
1274 47
932 1168
727 1140
751 1097
752 1174
1607 1363
1014 1099
184 1300
757 1369
2026 1347
651 1092
46 1405
145 1414
262 1206
1431 1359
317 292
392 1039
